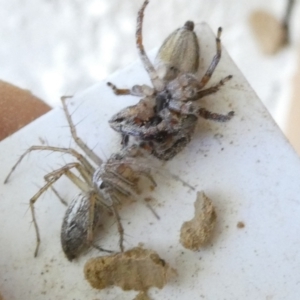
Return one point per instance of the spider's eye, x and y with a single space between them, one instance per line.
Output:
102 185
119 120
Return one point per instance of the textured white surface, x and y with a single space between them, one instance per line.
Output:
245 166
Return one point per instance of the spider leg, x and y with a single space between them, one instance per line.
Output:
32 202
70 151
136 90
214 61
189 108
140 170
51 179
82 185
118 91
156 81
90 232
112 200
213 89
119 225
61 199
89 152
102 249
145 172
120 186
215 117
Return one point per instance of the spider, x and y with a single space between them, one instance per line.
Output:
163 121
101 188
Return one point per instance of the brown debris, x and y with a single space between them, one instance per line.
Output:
268 31
196 232
240 224
142 296
136 269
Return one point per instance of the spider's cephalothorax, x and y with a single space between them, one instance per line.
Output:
164 120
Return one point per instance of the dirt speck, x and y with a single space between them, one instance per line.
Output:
197 232
148 199
136 269
240 224
142 296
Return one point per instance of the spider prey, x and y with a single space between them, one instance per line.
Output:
101 188
164 119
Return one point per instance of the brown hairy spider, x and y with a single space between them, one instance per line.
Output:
164 119
101 188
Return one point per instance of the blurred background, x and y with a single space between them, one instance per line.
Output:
60 47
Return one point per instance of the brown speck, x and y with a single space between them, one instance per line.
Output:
148 199
142 296
240 225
